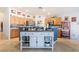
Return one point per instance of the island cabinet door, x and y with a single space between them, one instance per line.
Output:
33 41
40 42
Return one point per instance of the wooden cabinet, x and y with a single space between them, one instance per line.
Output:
57 21
59 33
21 20
14 33
12 19
49 20
17 20
24 22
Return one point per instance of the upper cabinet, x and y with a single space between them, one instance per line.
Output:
17 20
56 21
17 16
22 21
12 19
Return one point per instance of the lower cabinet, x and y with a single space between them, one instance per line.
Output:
59 33
40 42
33 41
36 42
14 33
36 39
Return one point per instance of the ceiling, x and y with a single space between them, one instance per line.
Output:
45 11
56 11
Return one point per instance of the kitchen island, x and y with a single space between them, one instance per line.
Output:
37 39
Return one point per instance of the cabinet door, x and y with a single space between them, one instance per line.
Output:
15 33
12 19
16 20
22 21
40 42
33 42
57 21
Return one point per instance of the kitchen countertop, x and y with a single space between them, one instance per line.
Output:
14 28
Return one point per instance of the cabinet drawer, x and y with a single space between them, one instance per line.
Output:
36 33
28 33
48 34
40 33
31 33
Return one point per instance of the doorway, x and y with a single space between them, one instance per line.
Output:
1 26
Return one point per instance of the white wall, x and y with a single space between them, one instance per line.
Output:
74 29
76 14
6 24
1 19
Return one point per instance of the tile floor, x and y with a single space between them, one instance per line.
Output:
62 45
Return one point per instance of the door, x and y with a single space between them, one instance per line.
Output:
40 42
33 41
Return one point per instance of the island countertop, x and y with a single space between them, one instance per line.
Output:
36 31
